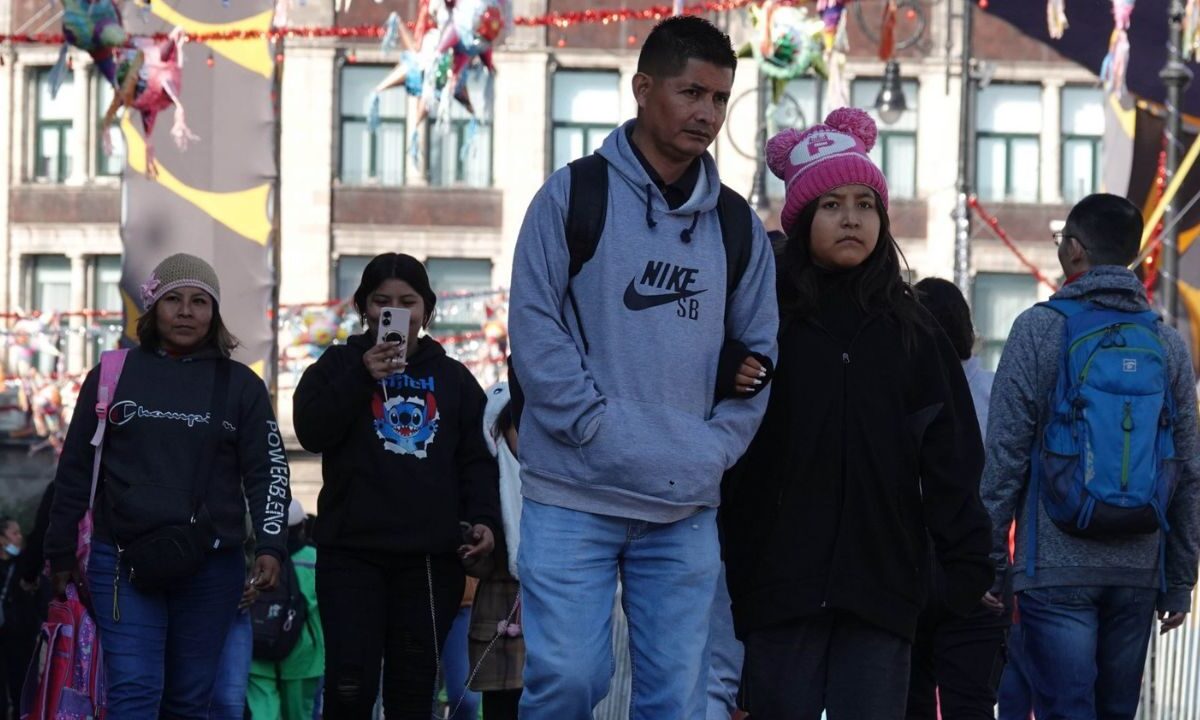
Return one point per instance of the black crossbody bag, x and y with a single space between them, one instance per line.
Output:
160 559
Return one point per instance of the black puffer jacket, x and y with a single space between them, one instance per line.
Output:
866 449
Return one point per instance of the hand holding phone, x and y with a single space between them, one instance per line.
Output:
391 348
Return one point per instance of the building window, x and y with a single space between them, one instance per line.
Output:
349 274
453 276
1008 154
799 106
48 289
460 152
106 297
895 150
107 165
53 128
1082 134
371 157
998 299
585 108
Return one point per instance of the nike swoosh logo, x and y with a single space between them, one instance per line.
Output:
634 300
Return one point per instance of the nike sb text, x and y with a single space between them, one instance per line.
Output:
663 276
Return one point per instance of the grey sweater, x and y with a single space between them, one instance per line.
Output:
1020 396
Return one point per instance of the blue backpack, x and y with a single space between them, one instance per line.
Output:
1105 464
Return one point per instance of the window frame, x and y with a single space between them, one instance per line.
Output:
62 129
583 127
1009 185
1096 143
372 178
887 132
98 83
459 127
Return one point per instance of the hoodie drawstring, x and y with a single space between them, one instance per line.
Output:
649 218
686 234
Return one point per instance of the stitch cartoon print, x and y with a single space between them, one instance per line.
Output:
406 424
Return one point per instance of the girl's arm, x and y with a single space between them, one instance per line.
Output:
332 392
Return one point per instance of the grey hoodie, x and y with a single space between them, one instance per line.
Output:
628 427
1020 395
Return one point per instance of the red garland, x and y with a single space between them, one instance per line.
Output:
994 225
361 32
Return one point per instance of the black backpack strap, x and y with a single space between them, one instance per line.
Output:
587 208
737 232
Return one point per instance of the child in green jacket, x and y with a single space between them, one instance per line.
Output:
287 690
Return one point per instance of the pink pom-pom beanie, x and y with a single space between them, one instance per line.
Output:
814 161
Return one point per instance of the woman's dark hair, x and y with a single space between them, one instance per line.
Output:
878 284
396 266
945 302
218 335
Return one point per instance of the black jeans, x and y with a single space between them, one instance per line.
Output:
832 661
16 652
501 704
375 609
958 661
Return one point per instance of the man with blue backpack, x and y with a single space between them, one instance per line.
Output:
1092 449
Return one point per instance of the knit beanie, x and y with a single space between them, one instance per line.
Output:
814 161
180 270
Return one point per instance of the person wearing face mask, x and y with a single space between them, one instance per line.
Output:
18 618
869 446
190 441
403 462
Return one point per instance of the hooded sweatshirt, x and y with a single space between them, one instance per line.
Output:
1023 385
628 427
403 460
158 426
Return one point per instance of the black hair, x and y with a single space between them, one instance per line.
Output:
778 240
1108 226
398 266
945 302
680 38
877 285
218 335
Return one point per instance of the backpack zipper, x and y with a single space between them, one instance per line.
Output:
1127 426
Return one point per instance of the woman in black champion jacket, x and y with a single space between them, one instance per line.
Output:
869 445
403 462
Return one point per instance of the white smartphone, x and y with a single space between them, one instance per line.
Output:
393 327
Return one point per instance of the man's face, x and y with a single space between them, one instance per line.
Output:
683 114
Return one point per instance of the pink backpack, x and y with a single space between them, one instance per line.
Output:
66 679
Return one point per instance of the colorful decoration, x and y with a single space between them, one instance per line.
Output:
1056 17
789 43
993 225
150 82
93 26
1116 62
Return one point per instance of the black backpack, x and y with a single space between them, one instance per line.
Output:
587 210
278 617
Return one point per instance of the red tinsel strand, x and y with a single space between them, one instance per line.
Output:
994 225
373 32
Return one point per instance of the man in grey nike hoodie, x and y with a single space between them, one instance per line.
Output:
622 444
1087 610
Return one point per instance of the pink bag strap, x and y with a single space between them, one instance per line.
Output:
112 362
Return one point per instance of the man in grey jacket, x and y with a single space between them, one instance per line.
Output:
622 442
1087 609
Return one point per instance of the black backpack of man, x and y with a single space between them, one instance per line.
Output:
278 616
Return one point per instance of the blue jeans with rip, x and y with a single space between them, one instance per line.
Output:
233 672
569 563
1084 649
161 656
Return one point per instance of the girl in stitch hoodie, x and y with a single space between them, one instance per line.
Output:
403 462
869 443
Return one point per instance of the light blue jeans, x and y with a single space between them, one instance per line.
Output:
725 669
569 564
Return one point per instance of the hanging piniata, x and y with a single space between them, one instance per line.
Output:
788 43
1116 62
93 26
1056 18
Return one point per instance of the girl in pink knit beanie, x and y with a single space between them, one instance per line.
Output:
868 450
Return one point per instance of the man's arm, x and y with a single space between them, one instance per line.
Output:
545 356
1183 514
1012 422
752 321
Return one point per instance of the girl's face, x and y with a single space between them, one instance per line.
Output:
845 229
183 317
398 294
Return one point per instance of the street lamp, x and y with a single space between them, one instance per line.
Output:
890 103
